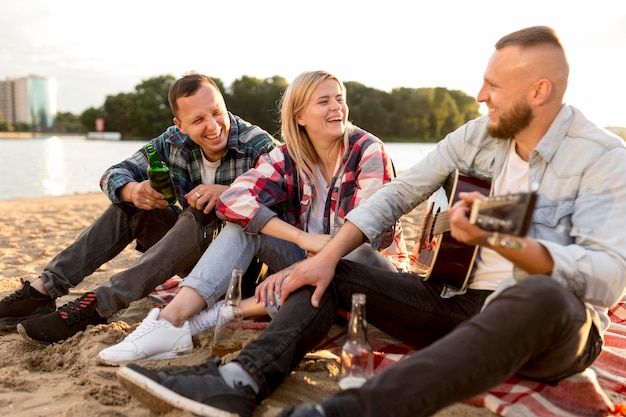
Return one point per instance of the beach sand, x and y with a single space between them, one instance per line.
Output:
64 379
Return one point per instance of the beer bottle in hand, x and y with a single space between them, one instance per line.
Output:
159 175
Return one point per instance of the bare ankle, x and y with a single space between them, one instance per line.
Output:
38 285
173 320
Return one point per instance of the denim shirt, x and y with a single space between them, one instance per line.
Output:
580 172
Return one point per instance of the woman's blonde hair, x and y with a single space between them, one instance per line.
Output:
294 100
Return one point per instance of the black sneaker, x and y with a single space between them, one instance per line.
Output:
24 304
197 389
68 320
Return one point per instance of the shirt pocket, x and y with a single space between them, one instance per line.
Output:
553 221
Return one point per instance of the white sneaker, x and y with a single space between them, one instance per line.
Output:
205 319
152 339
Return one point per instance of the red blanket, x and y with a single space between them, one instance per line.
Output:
599 391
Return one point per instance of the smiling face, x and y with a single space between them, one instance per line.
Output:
203 116
326 113
506 91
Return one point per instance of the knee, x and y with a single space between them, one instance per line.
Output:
125 209
199 216
544 294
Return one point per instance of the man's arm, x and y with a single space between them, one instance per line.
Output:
319 270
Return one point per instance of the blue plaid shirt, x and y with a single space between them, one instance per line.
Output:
246 142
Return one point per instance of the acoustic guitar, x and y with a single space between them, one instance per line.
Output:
437 256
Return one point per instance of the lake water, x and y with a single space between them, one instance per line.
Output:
68 165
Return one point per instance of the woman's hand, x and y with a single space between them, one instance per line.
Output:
271 287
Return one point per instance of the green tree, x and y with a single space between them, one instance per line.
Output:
369 108
468 107
151 112
88 119
405 113
67 123
119 114
4 125
411 112
256 101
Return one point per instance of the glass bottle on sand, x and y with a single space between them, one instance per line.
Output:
357 357
229 319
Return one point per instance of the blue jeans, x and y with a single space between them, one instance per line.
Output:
233 248
536 329
172 244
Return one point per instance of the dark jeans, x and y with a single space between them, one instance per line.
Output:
536 329
174 244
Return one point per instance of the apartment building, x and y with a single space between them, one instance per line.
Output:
31 100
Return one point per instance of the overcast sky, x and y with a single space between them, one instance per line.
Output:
95 49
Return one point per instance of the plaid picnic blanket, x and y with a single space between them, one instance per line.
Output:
599 391
164 293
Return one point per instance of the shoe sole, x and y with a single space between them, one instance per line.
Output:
161 356
162 400
10 323
22 331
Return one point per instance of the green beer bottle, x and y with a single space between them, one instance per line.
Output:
159 175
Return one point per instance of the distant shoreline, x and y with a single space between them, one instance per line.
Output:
33 135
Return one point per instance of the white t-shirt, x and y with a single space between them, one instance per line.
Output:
316 216
208 169
491 267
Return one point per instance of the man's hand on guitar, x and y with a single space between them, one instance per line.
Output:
460 227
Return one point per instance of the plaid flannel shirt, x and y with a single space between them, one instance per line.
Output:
246 142
365 168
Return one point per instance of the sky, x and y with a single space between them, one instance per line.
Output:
96 49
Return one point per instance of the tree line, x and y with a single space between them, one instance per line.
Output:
411 114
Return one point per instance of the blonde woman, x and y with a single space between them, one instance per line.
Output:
286 208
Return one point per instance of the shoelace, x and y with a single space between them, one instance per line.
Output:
206 318
207 368
75 311
142 329
17 295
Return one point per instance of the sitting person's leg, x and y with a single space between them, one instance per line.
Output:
265 361
176 253
536 329
206 283
366 255
298 328
105 238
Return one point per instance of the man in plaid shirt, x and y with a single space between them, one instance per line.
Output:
205 151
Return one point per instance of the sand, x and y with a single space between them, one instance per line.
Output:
64 379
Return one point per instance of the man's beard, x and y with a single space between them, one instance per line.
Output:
513 122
